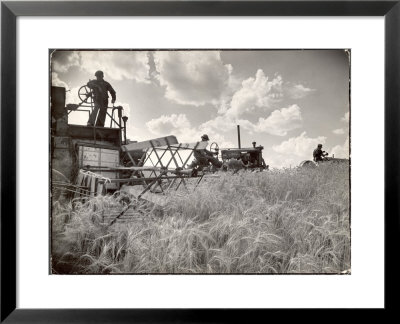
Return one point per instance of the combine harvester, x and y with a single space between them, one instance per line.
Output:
87 161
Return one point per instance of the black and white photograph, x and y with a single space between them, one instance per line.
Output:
200 161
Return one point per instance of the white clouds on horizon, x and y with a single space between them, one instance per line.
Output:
343 130
180 126
301 146
116 65
341 151
279 122
346 117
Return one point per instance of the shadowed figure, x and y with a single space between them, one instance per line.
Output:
100 89
204 157
318 154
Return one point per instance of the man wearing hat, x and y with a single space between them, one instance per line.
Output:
100 89
204 157
318 154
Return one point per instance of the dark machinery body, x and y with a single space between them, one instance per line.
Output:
75 147
251 157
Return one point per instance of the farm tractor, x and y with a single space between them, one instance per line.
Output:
243 158
325 159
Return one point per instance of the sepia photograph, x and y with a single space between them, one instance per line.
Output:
200 161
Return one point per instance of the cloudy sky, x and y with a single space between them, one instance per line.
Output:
288 101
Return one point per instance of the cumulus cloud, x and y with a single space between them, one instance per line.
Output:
301 146
281 121
214 127
255 94
220 124
341 151
346 117
181 127
164 125
116 65
56 81
132 132
62 61
260 93
193 77
298 91
214 136
71 94
339 131
343 130
277 160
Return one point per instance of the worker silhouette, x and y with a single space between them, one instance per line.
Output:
203 157
318 154
100 89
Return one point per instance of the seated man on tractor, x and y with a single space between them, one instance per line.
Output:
246 160
318 154
204 157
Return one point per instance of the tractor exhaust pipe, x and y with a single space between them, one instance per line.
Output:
238 131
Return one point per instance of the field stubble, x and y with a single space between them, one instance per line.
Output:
283 221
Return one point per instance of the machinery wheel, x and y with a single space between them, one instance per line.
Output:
85 94
308 164
214 147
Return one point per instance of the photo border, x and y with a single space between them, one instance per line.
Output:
10 10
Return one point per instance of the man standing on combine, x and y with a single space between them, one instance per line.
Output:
318 154
100 89
204 157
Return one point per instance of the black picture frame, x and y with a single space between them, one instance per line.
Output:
10 10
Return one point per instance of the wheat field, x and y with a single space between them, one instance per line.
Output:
273 222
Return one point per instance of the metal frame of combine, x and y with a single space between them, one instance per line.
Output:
75 146
158 165
97 160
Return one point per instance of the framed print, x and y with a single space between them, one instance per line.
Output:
175 160
172 154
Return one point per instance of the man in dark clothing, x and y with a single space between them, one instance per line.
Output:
100 89
204 157
318 154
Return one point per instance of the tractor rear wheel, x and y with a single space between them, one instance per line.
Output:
308 164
